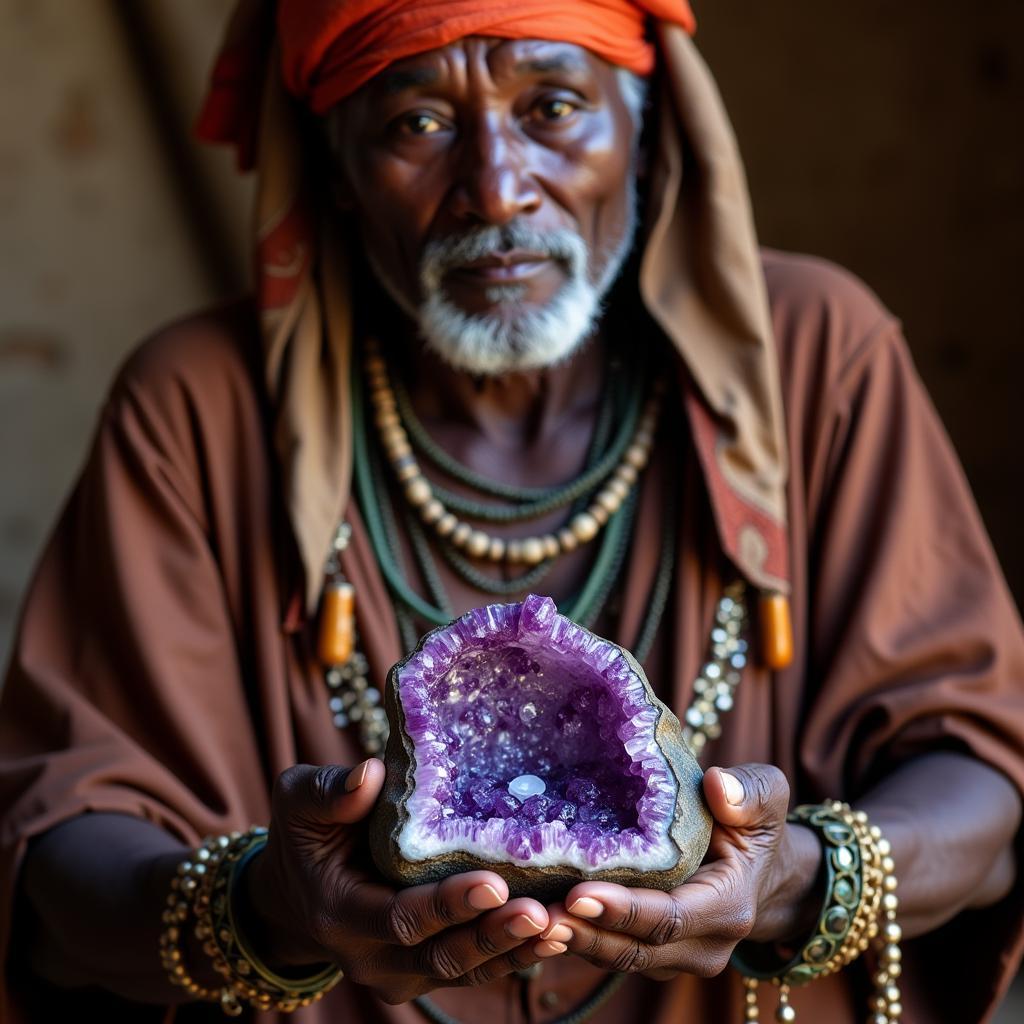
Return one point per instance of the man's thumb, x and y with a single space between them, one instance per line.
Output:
747 796
331 794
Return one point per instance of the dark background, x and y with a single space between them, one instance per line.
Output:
889 137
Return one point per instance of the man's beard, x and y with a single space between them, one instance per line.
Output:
516 335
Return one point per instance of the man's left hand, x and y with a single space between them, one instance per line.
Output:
754 883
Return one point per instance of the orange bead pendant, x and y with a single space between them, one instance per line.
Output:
776 630
337 623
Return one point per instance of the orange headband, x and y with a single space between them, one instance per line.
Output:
329 48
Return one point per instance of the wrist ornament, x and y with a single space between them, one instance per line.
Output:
858 911
206 886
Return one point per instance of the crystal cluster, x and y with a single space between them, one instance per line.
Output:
511 692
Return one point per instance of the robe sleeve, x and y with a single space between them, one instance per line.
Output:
915 641
124 692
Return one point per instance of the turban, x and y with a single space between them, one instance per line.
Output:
329 48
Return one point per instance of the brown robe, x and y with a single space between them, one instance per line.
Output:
156 673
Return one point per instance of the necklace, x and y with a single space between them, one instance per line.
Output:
531 550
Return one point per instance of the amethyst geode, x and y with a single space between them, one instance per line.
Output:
523 743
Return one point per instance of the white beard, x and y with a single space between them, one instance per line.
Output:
514 336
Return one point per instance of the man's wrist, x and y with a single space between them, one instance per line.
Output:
279 947
790 908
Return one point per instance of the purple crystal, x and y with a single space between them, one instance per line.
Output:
518 690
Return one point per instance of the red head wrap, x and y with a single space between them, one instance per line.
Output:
331 47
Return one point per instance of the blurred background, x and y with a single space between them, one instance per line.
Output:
885 136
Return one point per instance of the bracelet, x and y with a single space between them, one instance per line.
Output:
188 879
858 910
210 880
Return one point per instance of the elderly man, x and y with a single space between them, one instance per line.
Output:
508 288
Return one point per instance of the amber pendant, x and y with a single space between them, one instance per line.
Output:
336 641
776 630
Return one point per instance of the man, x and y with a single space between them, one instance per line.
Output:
485 214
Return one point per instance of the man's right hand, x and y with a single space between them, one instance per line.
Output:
313 904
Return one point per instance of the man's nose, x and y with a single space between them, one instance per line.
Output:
495 184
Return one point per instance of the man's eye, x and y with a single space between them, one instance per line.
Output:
421 124
556 109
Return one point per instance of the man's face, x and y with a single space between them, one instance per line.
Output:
493 185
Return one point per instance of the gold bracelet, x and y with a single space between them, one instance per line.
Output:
247 977
186 882
859 909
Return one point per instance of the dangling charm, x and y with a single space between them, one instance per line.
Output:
776 629
351 698
337 622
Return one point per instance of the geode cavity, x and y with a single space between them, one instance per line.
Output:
511 694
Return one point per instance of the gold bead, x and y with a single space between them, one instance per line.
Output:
496 551
407 472
609 501
599 512
446 524
374 364
626 473
533 550
393 435
567 540
892 993
895 970
785 1013
418 491
552 549
643 437
884 847
619 488
891 954
892 932
478 544
584 527
637 456
752 1013
461 534
432 511
895 1011
398 450
387 418
888 865
514 551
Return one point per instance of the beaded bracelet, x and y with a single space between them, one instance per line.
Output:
210 880
860 891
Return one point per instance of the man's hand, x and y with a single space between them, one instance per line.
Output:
316 904
756 872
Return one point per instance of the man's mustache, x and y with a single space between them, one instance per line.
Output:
444 254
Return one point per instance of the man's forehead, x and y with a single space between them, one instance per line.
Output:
506 57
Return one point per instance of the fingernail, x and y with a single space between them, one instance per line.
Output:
558 933
733 789
586 907
484 897
356 777
548 948
522 927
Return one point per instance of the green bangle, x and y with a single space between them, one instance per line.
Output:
247 976
844 884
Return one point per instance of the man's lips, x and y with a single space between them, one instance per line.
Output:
515 265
